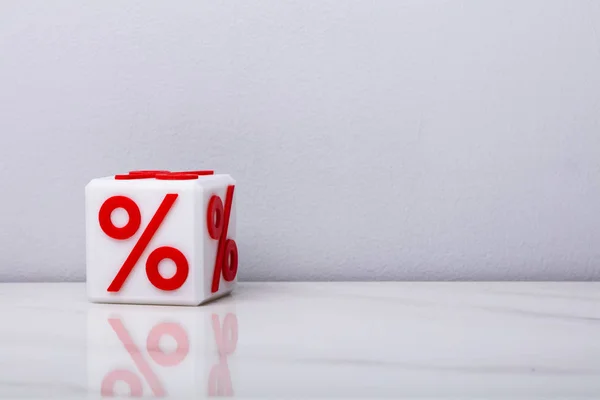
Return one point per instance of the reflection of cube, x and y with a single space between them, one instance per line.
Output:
155 239
158 352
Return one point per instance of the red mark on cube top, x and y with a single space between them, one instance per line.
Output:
163 175
180 176
127 177
130 229
149 171
198 172
217 222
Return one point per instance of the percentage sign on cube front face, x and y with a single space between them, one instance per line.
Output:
226 337
217 221
154 351
156 256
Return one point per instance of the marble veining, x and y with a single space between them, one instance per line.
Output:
307 340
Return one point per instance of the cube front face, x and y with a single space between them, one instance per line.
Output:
148 240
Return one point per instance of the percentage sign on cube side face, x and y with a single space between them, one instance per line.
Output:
128 230
155 353
217 221
226 337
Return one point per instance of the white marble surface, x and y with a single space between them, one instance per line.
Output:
308 340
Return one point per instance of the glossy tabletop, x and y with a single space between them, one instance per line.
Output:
308 340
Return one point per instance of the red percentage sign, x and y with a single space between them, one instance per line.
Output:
217 221
219 379
127 231
155 352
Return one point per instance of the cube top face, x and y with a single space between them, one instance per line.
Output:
160 241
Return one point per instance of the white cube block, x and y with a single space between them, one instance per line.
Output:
160 238
161 352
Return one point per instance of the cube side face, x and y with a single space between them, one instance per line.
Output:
207 247
106 255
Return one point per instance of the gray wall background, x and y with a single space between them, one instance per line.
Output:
370 139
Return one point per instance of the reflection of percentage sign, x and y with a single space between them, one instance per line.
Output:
155 352
217 221
128 230
219 379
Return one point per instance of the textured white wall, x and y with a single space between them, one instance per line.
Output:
370 139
